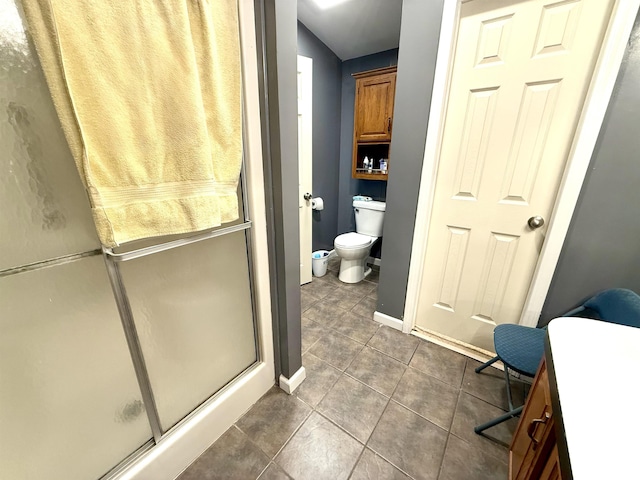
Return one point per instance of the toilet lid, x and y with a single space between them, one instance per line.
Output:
352 240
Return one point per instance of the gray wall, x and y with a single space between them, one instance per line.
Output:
419 35
348 186
326 134
277 22
602 248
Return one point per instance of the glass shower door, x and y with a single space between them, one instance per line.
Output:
193 313
90 380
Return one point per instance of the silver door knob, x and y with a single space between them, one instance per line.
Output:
535 222
307 196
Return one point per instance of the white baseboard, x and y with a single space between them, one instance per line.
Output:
289 385
387 320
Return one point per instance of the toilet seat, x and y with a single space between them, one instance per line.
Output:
353 240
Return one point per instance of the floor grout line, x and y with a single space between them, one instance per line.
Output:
286 442
264 469
357 462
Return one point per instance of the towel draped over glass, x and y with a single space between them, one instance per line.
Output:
148 93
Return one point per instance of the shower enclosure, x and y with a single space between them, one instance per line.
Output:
110 360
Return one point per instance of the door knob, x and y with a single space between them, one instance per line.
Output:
535 222
307 196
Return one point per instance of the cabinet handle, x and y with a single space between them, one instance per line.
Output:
531 429
389 125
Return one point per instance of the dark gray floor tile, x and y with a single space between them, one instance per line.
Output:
439 362
307 299
377 370
332 277
336 349
427 396
366 307
319 450
320 378
334 263
325 312
410 442
356 327
272 420
374 295
490 386
374 467
321 289
311 333
353 406
359 289
232 456
342 298
463 461
472 411
374 276
394 343
274 472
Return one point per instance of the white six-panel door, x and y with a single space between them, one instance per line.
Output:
305 163
520 75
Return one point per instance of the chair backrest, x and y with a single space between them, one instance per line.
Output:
617 305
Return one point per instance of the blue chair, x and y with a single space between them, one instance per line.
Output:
616 305
521 348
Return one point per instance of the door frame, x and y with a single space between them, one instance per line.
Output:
613 47
305 149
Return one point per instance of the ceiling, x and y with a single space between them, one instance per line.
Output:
353 28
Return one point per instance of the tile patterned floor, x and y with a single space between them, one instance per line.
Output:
376 404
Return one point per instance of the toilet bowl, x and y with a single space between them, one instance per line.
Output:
354 247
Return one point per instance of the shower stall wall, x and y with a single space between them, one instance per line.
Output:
105 353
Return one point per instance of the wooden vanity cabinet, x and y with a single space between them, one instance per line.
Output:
551 470
373 120
533 453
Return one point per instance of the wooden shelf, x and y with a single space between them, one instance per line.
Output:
375 174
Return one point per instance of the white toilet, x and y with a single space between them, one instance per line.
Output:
354 247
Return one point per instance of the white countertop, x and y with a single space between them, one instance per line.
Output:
597 373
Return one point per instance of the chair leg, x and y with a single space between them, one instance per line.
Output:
506 378
485 365
502 418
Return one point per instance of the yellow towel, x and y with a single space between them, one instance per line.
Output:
148 94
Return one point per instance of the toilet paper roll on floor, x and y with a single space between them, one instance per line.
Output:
317 203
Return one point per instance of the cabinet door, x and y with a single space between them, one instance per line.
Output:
551 470
535 434
374 107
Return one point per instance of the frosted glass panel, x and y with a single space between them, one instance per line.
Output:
45 212
70 407
192 308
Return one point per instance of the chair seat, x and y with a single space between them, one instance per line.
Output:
520 348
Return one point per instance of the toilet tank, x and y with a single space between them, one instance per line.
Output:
369 217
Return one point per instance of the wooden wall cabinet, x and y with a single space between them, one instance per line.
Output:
534 453
373 121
